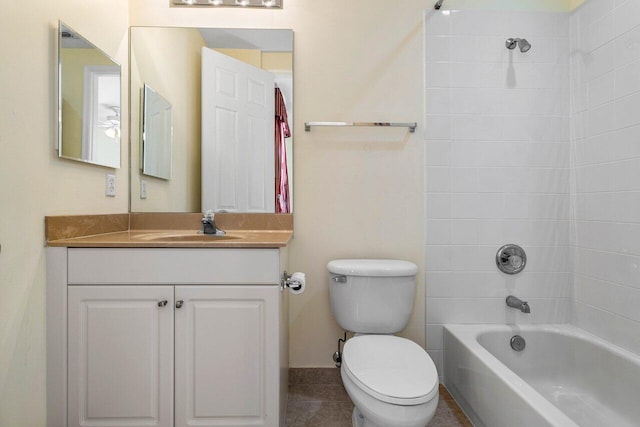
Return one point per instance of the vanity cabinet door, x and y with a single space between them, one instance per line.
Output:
227 355
120 356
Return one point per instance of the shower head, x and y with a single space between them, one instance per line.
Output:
522 43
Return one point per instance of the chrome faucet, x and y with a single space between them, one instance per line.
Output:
209 224
517 303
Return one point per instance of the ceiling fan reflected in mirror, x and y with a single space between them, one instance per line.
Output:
111 123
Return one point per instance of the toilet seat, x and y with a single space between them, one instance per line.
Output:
391 369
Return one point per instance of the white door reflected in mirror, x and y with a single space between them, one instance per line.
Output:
101 114
157 134
237 135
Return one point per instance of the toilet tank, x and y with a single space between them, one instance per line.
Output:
372 296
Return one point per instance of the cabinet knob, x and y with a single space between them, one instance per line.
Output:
163 303
179 303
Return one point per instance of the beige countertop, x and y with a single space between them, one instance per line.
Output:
116 231
178 239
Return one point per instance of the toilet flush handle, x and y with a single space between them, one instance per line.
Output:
339 279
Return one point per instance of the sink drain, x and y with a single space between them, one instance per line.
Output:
518 343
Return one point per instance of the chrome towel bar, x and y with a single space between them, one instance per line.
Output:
411 126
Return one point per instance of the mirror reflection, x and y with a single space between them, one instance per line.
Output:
157 134
231 96
89 101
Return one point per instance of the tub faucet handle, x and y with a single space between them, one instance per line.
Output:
511 259
515 261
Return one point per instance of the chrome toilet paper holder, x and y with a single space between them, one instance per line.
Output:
286 282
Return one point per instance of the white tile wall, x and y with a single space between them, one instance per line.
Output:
497 166
540 149
605 47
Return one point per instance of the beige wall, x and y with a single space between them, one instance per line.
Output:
270 61
576 3
178 81
277 61
36 183
249 56
358 192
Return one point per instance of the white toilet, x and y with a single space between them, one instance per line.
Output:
392 381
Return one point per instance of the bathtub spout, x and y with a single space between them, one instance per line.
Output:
517 303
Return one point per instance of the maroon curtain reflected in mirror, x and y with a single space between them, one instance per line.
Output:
282 131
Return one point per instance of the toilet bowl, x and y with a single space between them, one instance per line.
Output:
392 381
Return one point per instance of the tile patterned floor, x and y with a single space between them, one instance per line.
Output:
317 398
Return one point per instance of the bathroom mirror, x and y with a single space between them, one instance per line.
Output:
157 134
88 101
170 60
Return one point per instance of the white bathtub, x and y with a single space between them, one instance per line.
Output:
564 377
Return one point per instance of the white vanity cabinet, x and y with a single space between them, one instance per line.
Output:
226 339
165 337
120 355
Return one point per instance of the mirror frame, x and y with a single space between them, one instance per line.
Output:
59 142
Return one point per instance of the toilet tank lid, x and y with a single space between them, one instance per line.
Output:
372 267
